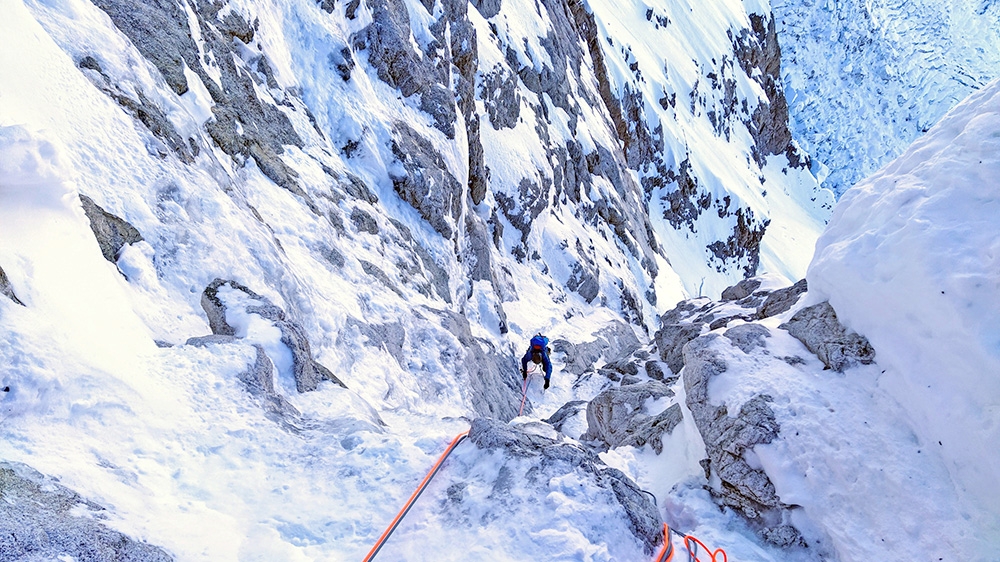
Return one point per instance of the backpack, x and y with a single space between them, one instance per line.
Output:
539 344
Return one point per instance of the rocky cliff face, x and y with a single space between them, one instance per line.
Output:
393 194
556 144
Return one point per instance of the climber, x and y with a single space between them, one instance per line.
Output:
538 353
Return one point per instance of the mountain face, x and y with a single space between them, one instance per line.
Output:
866 79
261 260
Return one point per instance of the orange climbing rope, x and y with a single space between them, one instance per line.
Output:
667 554
416 494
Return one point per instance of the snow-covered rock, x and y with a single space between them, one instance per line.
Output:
866 79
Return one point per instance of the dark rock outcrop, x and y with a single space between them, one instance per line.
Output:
112 232
782 300
617 416
759 54
6 289
388 41
613 343
747 337
818 328
43 520
741 290
307 371
671 339
565 412
244 126
426 185
550 458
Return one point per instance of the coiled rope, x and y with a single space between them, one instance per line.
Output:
691 544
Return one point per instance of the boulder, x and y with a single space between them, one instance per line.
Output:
748 336
729 441
112 232
741 290
307 371
544 459
670 340
839 348
781 300
618 416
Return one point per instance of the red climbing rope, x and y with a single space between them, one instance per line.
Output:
524 394
667 554
416 494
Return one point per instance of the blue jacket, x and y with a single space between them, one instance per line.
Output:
545 362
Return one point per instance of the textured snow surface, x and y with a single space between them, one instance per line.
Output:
865 78
911 260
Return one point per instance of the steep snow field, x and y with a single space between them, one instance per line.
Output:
106 398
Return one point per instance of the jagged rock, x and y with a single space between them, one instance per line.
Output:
6 289
307 371
43 520
782 300
585 280
244 126
743 243
741 290
670 341
759 55
818 328
557 458
748 336
391 52
356 187
494 388
487 8
364 221
426 185
727 439
112 232
566 411
654 370
617 416
501 98
613 342
143 109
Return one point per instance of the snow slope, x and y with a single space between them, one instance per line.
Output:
910 260
420 314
